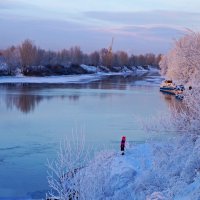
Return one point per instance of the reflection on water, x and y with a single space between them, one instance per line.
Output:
24 97
23 102
173 103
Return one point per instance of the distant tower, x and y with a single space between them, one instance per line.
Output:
110 54
110 47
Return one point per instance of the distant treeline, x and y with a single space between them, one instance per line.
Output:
27 55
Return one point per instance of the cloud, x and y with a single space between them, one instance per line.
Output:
153 32
56 34
49 34
169 18
148 31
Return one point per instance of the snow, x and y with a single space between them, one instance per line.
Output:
90 69
190 191
3 66
159 171
52 79
85 78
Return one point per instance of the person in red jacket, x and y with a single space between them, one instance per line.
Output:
123 141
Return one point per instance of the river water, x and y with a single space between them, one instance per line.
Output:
34 118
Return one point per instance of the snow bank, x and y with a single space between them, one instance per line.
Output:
111 176
94 73
85 78
52 79
165 171
191 191
90 69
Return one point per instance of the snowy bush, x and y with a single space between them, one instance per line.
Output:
73 176
94 184
64 172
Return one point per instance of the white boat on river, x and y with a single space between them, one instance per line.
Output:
171 88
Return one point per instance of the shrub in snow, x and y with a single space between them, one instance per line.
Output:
94 183
64 173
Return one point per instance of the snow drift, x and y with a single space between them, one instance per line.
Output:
163 171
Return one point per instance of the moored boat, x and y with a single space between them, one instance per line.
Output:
171 88
168 87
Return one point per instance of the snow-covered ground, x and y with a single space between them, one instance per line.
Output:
52 79
168 171
85 78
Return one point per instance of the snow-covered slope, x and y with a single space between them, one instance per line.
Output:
165 171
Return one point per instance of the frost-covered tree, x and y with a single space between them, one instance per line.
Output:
182 63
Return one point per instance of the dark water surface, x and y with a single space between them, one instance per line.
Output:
35 118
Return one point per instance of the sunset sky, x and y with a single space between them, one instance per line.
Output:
138 26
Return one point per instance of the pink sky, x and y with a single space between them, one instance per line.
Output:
137 26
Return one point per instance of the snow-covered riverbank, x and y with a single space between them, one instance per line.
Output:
166 171
52 79
83 78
